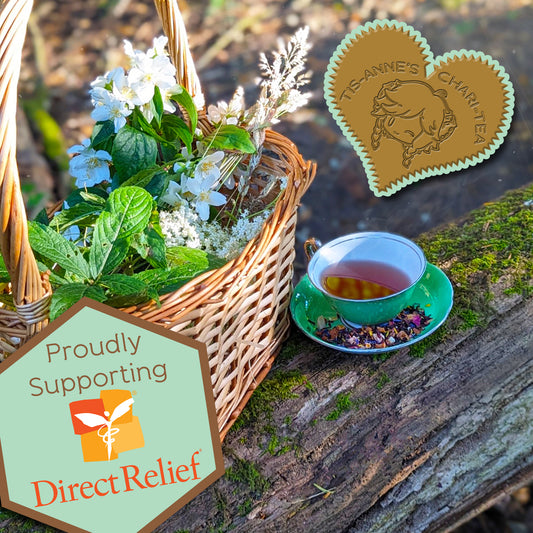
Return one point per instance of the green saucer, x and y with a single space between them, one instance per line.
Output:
433 293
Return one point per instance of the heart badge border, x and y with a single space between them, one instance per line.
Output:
432 63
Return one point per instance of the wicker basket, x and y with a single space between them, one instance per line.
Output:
240 310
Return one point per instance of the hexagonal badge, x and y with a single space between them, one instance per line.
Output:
108 423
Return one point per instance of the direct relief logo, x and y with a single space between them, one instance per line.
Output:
125 416
106 425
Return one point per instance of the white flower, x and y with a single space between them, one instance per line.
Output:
90 166
122 90
225 113
158 47
208 166
167 94
205 196
107 106
172 195
149 72
108 78
181 227
134 55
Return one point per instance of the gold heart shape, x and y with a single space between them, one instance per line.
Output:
409 115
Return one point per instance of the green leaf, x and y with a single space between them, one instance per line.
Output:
141 123
94 199
156 105
159 184
4 274
150 244
102 131
123 290
90 194
185 100
127 212
165 280
229 137
133 208
132 152
53 246
181 255
67 295
142 178
123 285
82 214
42 217
175 128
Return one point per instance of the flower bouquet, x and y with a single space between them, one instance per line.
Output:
181 215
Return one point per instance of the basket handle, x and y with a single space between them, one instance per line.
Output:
27 285
179 50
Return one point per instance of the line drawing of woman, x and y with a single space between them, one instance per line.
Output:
415 115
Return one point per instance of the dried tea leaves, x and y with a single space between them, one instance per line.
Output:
405 326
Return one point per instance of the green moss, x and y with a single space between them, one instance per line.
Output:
338 374
493 241
245 507
279 386
343 403
383 379
246 473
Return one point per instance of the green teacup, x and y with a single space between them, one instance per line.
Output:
364 265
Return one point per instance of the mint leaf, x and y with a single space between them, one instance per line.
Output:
82 214
133 208
102 131
181 255
54 247
127 212
142 178
67 295
132 152
42 217
229 137
123 290
185 100
165 280
150 244
174 128
90 194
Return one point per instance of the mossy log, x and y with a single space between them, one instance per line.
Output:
418 441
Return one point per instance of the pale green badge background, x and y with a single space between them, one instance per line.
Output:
38 441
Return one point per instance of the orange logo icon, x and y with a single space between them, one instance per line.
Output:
106 425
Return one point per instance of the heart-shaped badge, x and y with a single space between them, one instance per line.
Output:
409 115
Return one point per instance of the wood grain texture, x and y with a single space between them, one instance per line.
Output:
448 434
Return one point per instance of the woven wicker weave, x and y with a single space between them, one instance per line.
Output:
240 310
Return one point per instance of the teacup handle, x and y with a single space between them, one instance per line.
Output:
311 246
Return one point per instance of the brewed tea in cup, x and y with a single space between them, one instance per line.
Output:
368 277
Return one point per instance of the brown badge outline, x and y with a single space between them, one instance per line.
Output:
209 399
471 91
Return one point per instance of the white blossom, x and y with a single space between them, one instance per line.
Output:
205 196
207 167
172 195
90 166
108 78
149 72
108 106
158 47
